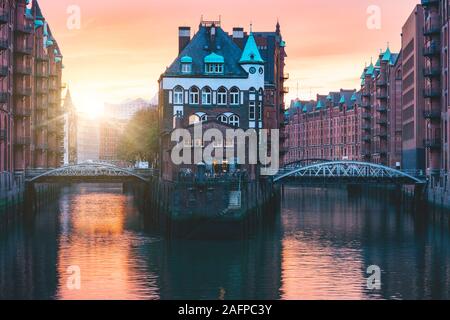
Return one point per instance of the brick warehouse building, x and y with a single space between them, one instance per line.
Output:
328 128
350 125
31 129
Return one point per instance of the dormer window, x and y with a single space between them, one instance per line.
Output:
214 68
186 64
214 64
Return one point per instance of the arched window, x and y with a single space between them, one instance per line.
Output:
222 96
178 95
222 118
194 95
194 119
234 120
261 94
202 116
234 96
252 90
206 96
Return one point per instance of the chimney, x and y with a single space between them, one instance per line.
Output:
238 37
184 37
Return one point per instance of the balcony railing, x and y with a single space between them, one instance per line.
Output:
365 94
20 70
4 44
3 134
366 116
382 96
432 143
4 17
42 58
431 114
427 3
42 147
24 28
381 83
25 92
3 97
432 50
41 74
366 138
432 93
382 122
431 29
4 71
22 112
22 141
26 50
381 109
381 133
431 72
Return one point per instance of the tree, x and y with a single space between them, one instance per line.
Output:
139 141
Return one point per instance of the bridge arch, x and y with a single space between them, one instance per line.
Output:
89 171
349 170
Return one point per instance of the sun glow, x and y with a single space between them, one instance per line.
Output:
90 103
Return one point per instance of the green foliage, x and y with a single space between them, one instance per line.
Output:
139 141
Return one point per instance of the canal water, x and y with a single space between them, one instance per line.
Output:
92 244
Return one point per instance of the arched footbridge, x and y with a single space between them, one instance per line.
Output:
322 171
88 172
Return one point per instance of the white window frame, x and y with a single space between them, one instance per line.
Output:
222 118
214 68
206 96
194 96
234 96
222 96
178 94
234 120
186 68
252 110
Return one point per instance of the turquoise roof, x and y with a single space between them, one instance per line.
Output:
29 13
251 54
387 55
49 43
378 64
342 99
370 70
214 58
329 98
305 109
297 104
320 105
354 98
186 59
283 44
38 23
58 59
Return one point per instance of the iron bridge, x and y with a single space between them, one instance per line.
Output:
322 171
88 172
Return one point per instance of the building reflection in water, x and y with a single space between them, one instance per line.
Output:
319 247
330 242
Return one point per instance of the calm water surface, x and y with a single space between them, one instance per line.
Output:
318 247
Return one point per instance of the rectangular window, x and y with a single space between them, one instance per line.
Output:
186 68
252 111
214 68
260 108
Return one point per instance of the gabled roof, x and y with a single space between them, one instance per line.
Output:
251 54
201 46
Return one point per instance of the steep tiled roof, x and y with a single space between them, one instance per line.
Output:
201 46
251 53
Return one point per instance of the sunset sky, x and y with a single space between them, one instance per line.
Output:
123 46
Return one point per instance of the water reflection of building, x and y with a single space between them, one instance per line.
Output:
339 237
